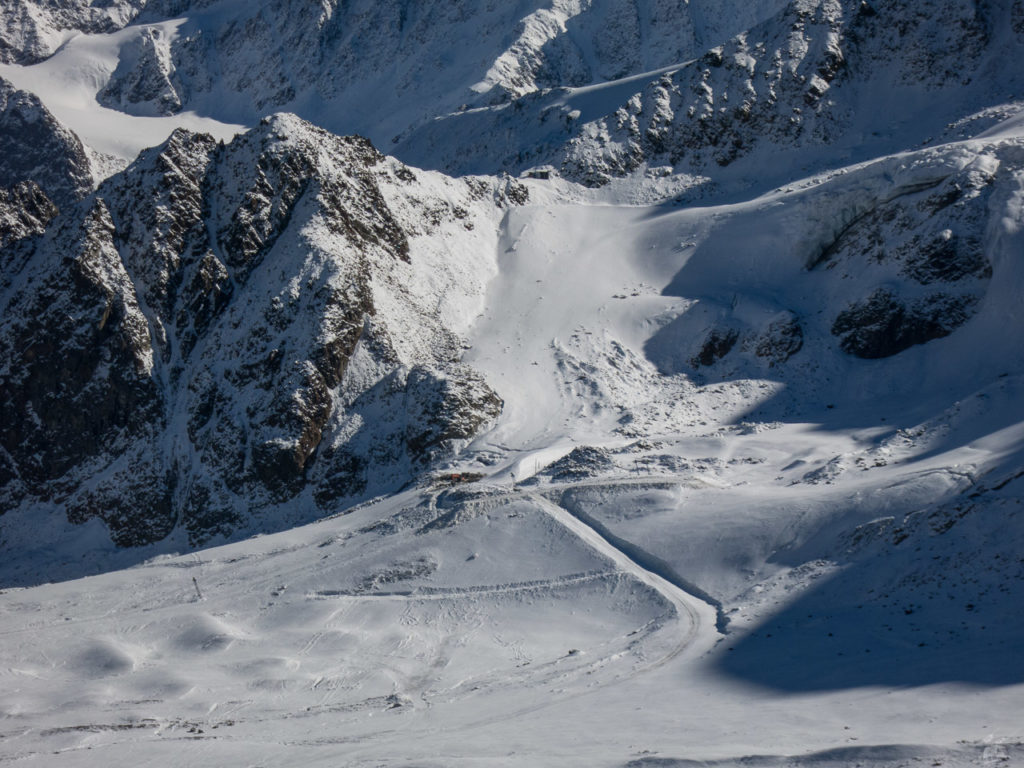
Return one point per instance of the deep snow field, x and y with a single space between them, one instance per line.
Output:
809 561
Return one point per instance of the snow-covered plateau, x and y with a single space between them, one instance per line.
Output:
618 383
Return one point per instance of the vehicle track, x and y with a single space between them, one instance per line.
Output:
685 603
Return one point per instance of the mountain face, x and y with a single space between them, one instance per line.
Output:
376 68
36 148
273 328
24 211
898 255
221 329
817 81
804 80
224 334
30 33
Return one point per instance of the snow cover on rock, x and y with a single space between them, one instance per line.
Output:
221 329
714 459
36 148
375 68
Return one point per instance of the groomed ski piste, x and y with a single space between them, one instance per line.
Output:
811 561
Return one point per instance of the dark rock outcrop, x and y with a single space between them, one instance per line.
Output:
921 260
24 211
178 349
145 81
716 346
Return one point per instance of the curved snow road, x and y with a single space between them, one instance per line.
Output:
688 607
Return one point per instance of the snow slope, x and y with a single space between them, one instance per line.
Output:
856 539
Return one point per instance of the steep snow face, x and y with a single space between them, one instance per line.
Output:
272 321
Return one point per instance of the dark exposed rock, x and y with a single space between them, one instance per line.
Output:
883 325
444 406
145 81
580 463
924 237
947 258
413 415
780 341
517 193
158 204
75 376
716 346
933 235
186 336
35 147
24 211
346 476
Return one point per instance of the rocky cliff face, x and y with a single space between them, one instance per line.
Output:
35 147
800 80
869 264
24 211
808 78
30 32
921 259
820 81
211 334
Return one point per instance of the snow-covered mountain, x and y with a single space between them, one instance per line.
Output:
36 148
647 392
376 68
226 314
816 85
